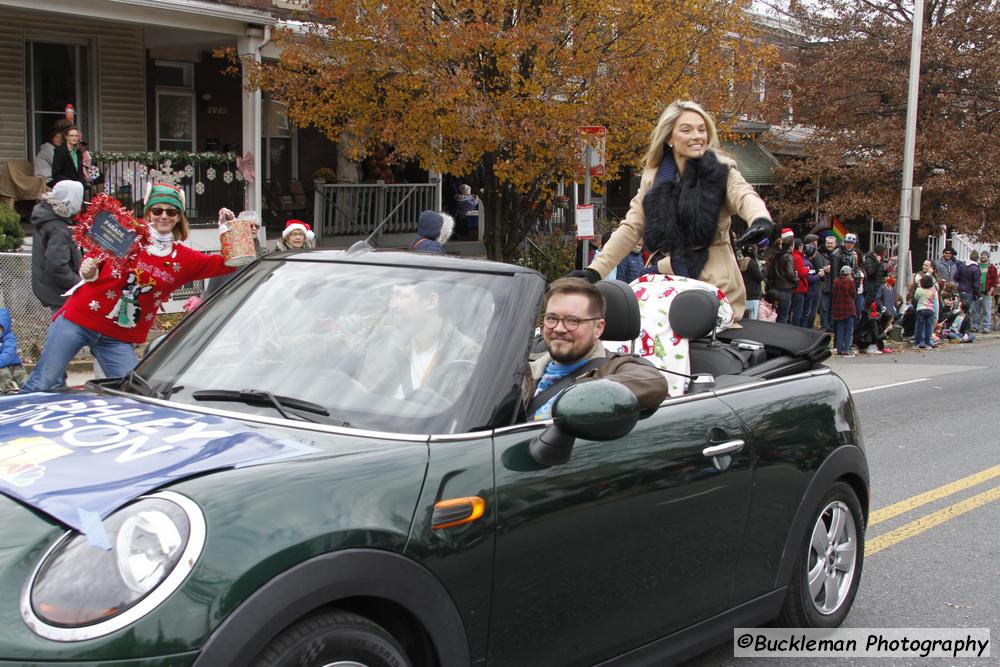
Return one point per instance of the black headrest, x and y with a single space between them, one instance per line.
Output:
693 313
621 320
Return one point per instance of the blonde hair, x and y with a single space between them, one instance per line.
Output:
665 127
180 230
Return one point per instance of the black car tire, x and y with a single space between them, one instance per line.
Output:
800 610
332 637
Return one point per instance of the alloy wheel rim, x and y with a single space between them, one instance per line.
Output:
345 663
832 558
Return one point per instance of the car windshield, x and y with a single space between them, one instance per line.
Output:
378 347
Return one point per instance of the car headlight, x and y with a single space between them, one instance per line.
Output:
79 591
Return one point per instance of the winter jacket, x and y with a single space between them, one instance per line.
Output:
766 312
43 161
842 301
781 272
820 260
55 257
842 256
641 377
875 273
752 277
946 269
8 342
886 299
123 305
433 231
715 206
631 267
927 299
801 272
991 277
968 278
812 277
63 167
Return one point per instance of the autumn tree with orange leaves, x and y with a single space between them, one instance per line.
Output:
851 87
493 90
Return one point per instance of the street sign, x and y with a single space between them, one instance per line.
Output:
585 221
594 137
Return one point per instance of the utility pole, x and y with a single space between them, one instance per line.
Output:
906 194
586 198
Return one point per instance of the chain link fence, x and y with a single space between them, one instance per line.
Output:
29 318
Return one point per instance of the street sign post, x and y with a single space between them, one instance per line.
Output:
592 163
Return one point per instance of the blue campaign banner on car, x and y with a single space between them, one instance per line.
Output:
80 457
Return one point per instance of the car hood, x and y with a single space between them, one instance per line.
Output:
77 457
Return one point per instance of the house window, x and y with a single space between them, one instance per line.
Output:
175 110
57 74
278 143
174 120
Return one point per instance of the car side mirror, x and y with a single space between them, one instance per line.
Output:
597 410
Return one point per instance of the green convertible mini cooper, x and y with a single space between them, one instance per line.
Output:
329 464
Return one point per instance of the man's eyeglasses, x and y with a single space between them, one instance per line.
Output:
569 322
170 212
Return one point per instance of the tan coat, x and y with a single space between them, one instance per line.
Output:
721 269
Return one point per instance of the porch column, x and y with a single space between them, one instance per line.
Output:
249 47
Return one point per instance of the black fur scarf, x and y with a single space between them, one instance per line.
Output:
682 217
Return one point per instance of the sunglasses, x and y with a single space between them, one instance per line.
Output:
159 210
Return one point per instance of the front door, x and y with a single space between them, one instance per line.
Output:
628 541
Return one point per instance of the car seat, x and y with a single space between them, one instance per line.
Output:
694 314
621 319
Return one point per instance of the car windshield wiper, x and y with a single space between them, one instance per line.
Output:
133 379
258 397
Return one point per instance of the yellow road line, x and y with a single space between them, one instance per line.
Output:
904 506
917 526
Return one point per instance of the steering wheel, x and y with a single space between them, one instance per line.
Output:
436 380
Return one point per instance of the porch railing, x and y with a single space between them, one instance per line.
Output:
209 180
342 209
963 245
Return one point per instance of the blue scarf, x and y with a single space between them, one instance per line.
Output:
667 170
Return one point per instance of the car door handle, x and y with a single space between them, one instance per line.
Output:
724 448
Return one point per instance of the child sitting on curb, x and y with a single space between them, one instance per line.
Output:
959 326
12 373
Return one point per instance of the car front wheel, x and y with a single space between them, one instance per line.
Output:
333 639
826 577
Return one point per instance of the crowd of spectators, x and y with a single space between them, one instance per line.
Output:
817 283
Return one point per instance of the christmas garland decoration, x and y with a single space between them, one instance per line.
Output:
105 203
156 158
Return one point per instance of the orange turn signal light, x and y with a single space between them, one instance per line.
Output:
457 511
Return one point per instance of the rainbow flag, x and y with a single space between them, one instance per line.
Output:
838 230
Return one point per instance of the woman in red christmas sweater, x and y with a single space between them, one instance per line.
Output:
114 309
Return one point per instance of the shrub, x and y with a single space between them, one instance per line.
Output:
553 254
11 232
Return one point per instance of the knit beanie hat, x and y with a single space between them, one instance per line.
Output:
65 199
298 225
161 193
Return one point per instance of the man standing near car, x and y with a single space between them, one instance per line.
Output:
572 327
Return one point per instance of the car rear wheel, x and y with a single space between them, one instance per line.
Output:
826 577
334 639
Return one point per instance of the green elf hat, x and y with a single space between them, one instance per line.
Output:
161 193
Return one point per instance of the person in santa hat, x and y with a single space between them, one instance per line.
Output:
297 235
